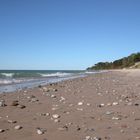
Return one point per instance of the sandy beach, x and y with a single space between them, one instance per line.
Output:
103 106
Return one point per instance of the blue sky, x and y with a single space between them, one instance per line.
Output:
67 34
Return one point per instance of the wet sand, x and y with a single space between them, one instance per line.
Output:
103 106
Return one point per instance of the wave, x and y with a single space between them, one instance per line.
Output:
10 81
14 81
57 74
33 75
7 74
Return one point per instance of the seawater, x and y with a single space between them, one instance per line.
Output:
12 80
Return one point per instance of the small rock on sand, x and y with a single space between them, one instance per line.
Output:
21 106
80 103
15 103
39 132
2 130
18 127
64 128
2 103
56 116
12 121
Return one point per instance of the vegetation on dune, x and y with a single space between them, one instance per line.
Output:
131 61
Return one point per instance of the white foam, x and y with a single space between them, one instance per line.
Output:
11 81
7 74
57 74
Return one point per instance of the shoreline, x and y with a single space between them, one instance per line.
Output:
102 106
44 81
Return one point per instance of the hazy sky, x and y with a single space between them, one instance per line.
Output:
67 34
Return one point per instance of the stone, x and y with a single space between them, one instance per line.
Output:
64 128
21 106
62 99
56 116
56 120
18 127
115 103
25 91
136 104
88 138
34 100
47 114
88 104
108 104
12 121
97 138
30 97
116 118
101 105
100 94
55 90
80 109
2 103
108 113
45 89
78 128
40 131
80 103
53 96
14 103
2 130
122 131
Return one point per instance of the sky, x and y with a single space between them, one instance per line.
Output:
67 34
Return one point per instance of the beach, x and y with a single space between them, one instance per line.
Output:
102 106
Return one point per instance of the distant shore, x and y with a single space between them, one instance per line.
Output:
102 106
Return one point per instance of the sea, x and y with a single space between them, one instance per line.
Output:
13 80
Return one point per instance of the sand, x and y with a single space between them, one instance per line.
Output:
98 107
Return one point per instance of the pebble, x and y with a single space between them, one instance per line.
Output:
47 114
45 89
18 127
108 113
88 138
53 96
115 103
122 131
100 94
11 121
88 104
40 131
2 130
30 97
115 118
43 114
108 104
15 103
21 106
55 90
80 103
64 128
56 116
54 108
34 100
2 103
97 138
80 109
62 99
101 105
56 120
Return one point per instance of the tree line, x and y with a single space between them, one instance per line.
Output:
125 62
